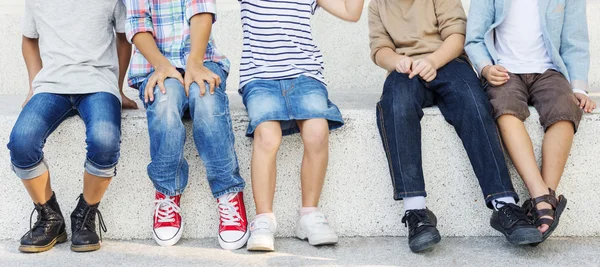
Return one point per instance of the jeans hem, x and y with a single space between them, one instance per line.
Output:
169 193
402 195
235 189
30 173
104 172
489 198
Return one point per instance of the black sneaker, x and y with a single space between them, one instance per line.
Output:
512 221
83 225
48 230
422 231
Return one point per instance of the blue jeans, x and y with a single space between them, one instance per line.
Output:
287 101
212 132
101 113
461 99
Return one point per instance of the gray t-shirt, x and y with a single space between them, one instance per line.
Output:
77 43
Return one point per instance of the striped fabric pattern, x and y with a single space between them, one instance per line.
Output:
278 41
168 22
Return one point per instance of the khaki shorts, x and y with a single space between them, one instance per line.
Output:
550 93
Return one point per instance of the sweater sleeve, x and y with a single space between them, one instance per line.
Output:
378 35
451 17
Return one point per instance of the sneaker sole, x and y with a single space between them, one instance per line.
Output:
425 243
85 248
169 242
267 246
235 245
531 236
322 241
36 249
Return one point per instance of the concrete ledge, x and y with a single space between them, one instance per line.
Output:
358 191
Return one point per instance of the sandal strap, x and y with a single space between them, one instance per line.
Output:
544 212
542 221
550 199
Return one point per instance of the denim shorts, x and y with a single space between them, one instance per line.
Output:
287 101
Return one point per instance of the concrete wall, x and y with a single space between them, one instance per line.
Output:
345 46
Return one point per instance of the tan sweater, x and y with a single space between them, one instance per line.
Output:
414 28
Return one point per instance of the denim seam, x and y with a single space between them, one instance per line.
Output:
386 145
483 126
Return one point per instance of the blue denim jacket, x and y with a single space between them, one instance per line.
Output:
564 27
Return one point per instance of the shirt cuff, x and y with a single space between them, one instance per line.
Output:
577 90
135 26
201 6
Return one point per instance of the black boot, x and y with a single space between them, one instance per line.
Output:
422 230
48 230
83 225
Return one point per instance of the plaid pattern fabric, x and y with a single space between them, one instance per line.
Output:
169 22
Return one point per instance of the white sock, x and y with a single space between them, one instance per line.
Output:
507 200
414 203
269 215
307 210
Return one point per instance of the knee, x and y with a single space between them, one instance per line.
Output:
25 146
267 140
315 138
104 141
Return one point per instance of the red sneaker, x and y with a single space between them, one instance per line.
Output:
168 224
233 226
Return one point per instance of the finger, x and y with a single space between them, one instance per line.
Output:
501 68
218 80
588 105
161 85
149 90
212 83
134 105
417 68
200 83
582 102
430 75
187 84
426 70
407 66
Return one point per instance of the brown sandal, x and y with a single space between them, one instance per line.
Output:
558 206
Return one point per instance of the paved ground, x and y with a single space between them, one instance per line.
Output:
387 251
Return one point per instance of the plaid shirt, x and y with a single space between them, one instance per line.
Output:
166 20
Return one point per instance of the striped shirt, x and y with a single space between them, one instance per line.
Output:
278 41
169 22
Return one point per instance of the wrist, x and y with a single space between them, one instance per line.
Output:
432 61
485 71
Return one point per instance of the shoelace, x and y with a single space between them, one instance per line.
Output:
230 215
89 221
165 209
415 219
37 222
512 212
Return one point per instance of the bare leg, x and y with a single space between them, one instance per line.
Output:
315 136
94 188
267 139
519 146
39 188
555 151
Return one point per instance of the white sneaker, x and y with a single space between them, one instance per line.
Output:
168 224
315 228
262 234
